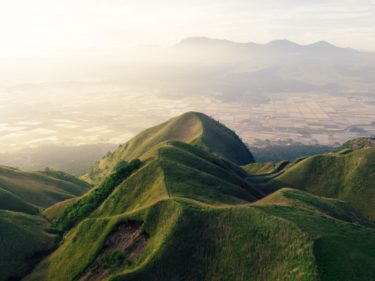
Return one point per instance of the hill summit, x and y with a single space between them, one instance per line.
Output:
184 210
192 128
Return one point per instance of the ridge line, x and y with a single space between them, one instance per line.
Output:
164 174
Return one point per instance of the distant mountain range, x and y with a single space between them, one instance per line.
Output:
280 45
185 201
240 71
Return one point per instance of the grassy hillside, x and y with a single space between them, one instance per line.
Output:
85 205
58 208
343 243
185 210
181 170
38 189
334 208
192 128
240 242
349 176
185 206
11 202
23 238
265 168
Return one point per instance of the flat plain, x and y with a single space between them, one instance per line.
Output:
114 115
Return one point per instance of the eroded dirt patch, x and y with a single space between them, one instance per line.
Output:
122 247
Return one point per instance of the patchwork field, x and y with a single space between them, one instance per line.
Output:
117 115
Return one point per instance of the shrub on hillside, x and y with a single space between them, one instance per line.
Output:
87 204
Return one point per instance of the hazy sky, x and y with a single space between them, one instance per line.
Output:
76 27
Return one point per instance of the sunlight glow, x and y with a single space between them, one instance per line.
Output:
82 27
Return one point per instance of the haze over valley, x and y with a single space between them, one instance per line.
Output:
279 92
189 140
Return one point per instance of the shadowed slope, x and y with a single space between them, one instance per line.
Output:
346 175
279 239
188 212
38 188
192 128
10 201
334 208
189 207
176 169
222 141
342 239
22 238
57 209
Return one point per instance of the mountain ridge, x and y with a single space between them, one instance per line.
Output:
40 189
347 174
282 44
183 211
195 128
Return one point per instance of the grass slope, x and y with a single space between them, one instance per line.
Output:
11 202
181 170
347 176
240 242
192 128
85 205
23 238
343 242
57 209
40 189
263 168
199 221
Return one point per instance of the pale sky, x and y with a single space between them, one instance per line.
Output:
30 28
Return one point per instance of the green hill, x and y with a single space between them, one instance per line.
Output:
348 175
186 214
193 128
37 189
173 204
11 202
58 208
342 239
23 240
181 171
307 238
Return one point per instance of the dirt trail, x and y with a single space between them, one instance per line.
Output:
127 240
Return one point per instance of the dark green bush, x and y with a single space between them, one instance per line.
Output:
113 259
87 204
120 165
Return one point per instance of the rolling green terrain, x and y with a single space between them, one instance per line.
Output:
38 189
348 174
10 201
189 214
193 128
24 237
173 204
214 228
58 208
